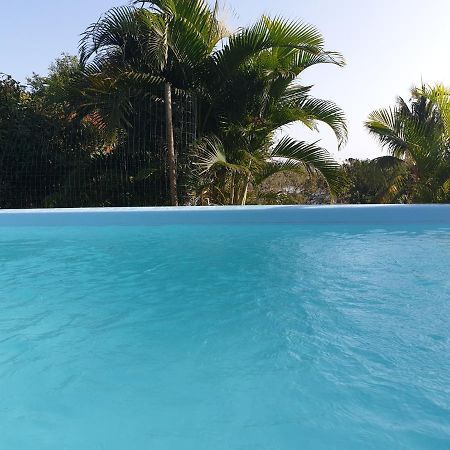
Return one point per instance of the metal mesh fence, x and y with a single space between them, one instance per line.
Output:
66 162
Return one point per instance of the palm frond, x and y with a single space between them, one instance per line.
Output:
267 34
210 153
291 155
386 162
312 110
387 128
110 31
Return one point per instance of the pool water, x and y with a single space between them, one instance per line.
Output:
252 337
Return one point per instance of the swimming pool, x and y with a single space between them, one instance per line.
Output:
255 328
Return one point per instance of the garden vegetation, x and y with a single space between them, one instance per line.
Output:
164 105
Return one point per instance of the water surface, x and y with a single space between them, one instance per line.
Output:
216 337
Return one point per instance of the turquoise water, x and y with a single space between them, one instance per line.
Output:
225 338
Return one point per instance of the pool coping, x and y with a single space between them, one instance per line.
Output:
204 215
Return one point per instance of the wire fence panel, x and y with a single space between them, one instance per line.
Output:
66 162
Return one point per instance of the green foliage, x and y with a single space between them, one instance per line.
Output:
36 146
50 89
369 181
417 135
245 90
250 93
52 157
86 123
131 54
92 131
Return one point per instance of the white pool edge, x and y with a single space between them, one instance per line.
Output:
203 215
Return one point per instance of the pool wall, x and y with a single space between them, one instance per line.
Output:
355 214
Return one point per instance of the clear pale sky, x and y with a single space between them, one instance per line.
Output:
389 45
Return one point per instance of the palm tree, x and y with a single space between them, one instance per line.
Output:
148 47
417 135
251 92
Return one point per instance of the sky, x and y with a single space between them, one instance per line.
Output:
389 45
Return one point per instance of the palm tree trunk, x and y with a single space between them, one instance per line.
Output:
247 182
232 189
244 196
170 145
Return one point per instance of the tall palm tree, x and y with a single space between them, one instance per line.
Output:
417 135
161 44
